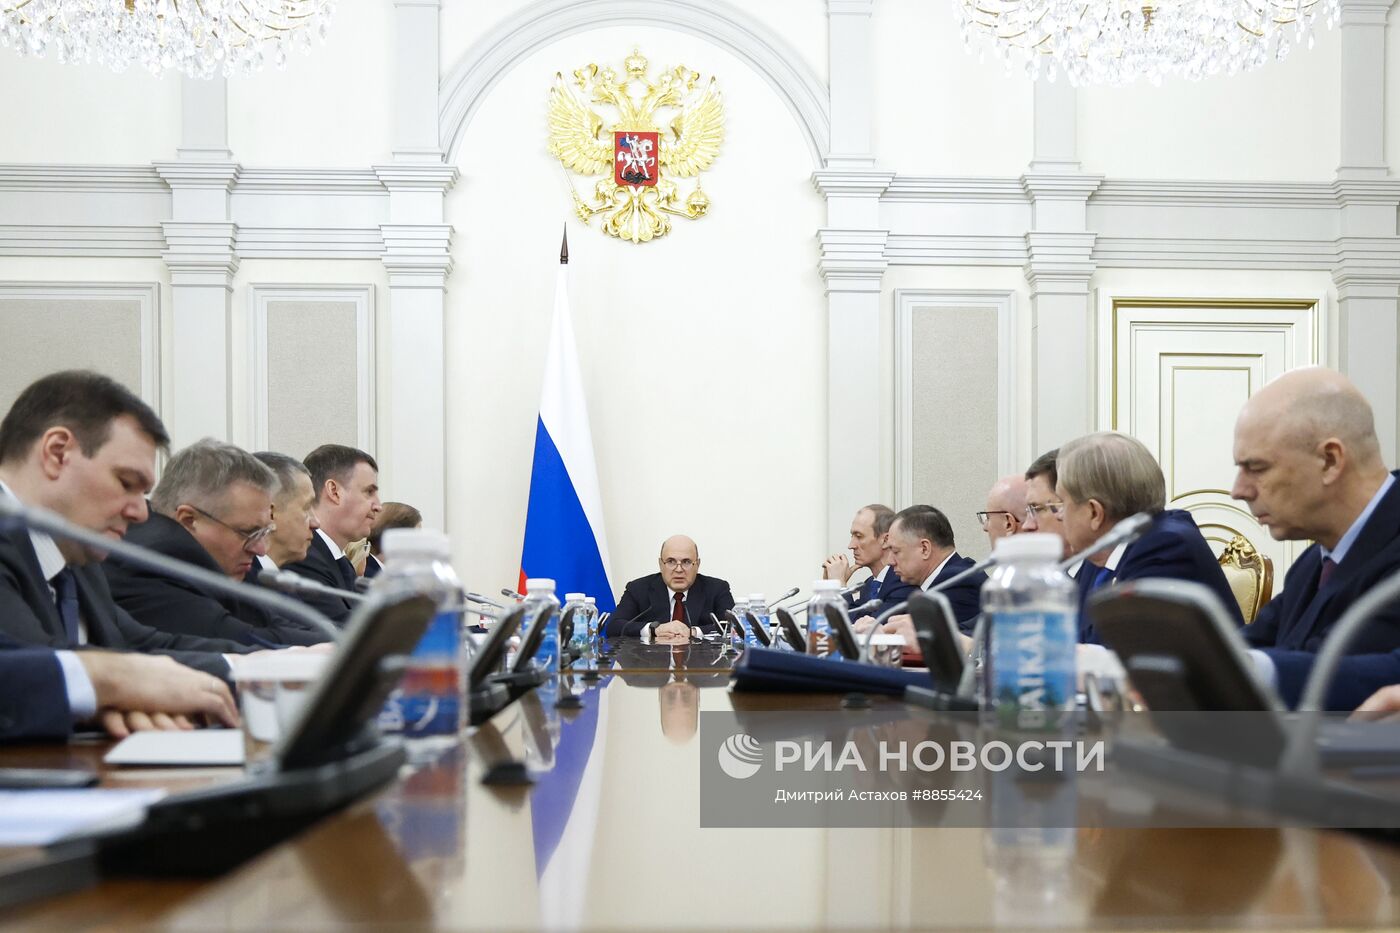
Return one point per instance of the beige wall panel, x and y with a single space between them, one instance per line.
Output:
311 375
954 376
43 335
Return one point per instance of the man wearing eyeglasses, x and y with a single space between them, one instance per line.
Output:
82 446
212 510
1006 508
677 601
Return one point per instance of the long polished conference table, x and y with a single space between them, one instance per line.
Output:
607 836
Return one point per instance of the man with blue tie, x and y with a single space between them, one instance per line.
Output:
925 555
869 546
1106 477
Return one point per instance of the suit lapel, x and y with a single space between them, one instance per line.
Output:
43 601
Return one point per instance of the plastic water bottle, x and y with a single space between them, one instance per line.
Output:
578 639
539 593
825 593
592 619
428 701
1033 613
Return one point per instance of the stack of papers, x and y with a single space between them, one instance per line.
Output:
43 817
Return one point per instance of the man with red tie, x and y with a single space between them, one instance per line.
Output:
674 601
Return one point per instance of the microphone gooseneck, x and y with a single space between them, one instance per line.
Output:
1129 529
289 582
56 526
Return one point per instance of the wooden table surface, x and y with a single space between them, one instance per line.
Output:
608 838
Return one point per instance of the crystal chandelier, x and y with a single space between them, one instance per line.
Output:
199 37
1116 42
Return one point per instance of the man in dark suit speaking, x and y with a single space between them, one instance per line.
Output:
674 601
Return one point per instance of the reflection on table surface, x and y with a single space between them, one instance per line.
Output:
607 837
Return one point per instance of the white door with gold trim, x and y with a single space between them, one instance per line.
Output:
1179 371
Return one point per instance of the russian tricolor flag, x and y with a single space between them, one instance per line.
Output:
564 536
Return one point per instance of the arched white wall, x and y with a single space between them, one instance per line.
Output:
517 35
703 353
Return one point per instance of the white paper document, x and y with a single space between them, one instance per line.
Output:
41 817
211 747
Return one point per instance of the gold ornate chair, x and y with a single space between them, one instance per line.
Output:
1251 575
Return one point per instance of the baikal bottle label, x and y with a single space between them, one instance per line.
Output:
1032 668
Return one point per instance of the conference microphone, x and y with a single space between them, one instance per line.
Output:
511 594
788 595
483 601
56 526
289 582
1129 529
845 591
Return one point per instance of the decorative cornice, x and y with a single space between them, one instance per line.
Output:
953 188
310 243
198 174
955 250
417 255
852 260
81 241
1059 263
858 183
308 181
424 175
44 177
1060 186
201 254
1383 191
1153 192
1364 12
1208 253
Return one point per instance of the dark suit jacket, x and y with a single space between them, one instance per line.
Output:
647 599
1172 548
966 596
172 605
318 565
892 592
33 694
1359 676
29 615
1299 618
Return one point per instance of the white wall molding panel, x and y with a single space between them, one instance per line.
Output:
417 255
201 256
1059 265
538 24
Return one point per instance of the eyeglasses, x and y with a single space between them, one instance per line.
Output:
983 517
251 539
684 563
1054 508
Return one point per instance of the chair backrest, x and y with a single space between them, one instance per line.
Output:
1250 574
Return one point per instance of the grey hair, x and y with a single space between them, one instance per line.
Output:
1117 470
286 468
203 472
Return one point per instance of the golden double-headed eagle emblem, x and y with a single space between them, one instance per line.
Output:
638 154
